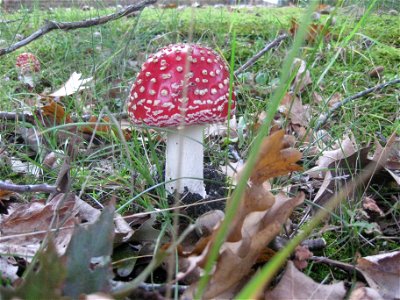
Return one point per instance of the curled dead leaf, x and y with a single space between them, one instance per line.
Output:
296 285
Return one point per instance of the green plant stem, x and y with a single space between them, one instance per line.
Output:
264 129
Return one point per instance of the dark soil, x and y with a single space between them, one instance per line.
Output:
215 183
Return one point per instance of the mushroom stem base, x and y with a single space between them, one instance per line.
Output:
185 159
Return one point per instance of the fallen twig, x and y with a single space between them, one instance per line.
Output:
257 56
52 25
9 21
28 117
161 288
337 264
12 116
28 188
324 117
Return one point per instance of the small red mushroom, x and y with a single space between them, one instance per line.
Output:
28 66
183 86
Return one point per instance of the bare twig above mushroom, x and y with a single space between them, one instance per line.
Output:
324 117
257 56
52 25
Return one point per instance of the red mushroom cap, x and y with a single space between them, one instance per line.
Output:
27 63
159 98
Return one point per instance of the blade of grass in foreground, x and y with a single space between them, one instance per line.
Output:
264 129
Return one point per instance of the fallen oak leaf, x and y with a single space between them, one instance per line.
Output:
314 31
97 125
275 159
382 273
53 113
43 282
236 259
296 285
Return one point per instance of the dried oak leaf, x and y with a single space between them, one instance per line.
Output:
97 125
53 113
292 107
296 285
382 273
275 158
314 31
258 220
23 231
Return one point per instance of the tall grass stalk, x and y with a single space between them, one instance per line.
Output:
234 202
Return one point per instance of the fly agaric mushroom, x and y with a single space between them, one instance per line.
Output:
28 65
182 86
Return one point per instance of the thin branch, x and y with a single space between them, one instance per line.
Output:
28 117
257 56
13 116
53 25
324 117
29 188
9 21
161 288
337 264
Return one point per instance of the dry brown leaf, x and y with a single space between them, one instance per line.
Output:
314 30
334 99
317 98
382 273
303 76
237 259
301 255
365 293
98 126
55 113
275 159
370 204
346 148
292 107
6 195
23 226
258 221
339 172
296 285
376 72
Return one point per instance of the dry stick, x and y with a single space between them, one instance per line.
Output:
334 263
9 21
29 188
324 117
28 117
52 25
257 56
13 116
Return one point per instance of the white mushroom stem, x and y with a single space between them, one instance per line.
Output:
185 159
27 79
